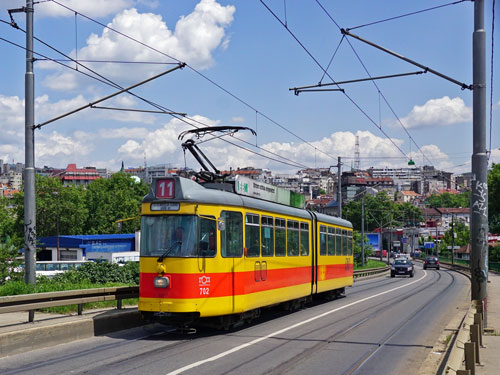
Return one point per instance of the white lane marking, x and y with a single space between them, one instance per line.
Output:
253 342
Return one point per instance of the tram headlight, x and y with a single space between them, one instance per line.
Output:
162 282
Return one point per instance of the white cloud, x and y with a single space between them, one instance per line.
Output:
495 156
195 38
238 120
438 112
161 143
46 110
136 133
53 148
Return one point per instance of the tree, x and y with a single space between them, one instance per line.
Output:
56 205
449 200
7 220
9 262
357 248
381 211
494 198
462 237
109 200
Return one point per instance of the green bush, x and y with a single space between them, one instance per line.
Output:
101 273
90 275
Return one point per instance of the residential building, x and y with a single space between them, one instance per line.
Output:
407 196
76 176
13 179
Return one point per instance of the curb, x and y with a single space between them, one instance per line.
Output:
43 336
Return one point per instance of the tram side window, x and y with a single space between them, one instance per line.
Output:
208 237
252 235
267 234
344 242
322 240
331 241
232 236
338 241
292 240
304 239
349 242
280 232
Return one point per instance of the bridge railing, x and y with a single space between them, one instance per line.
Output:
464 354
370 271
31 302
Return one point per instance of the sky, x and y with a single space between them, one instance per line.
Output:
242 59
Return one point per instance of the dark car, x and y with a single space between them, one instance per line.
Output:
431 262
402 266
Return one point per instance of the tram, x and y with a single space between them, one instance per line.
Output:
212 252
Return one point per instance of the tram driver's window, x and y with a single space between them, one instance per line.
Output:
231 237
208 237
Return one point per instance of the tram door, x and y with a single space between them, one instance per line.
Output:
231 234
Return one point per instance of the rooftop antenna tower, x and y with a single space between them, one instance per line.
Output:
356 155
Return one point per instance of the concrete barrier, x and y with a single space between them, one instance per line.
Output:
43 334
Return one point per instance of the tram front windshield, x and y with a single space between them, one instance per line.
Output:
177 236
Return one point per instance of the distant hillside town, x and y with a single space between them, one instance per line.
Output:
318 185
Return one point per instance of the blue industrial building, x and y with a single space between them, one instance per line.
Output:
78 247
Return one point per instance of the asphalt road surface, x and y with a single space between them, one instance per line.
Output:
383 326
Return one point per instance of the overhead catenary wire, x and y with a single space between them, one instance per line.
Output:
387 103
329 76
492 70
199 73
408 14
334 82
375 84
174 114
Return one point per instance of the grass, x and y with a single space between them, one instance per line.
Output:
370 263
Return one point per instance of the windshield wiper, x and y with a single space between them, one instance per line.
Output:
177 243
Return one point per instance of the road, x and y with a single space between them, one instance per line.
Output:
382 326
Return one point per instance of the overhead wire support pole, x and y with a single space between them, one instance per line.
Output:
479 194
29 163
180 66
426 68
304 88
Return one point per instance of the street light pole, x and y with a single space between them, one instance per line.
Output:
363 231
452 241
56 193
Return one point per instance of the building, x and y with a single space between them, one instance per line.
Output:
407 196
79 247
13 179
76 176
355 183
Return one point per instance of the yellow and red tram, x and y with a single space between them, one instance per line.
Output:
209 252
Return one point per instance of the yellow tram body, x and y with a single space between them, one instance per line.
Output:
241 253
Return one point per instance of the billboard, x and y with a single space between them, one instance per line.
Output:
374 240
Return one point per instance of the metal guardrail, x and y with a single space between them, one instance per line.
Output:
369 271
35 301
31 302
464 354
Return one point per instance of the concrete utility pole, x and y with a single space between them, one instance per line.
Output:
29 149
363 231
339 172
479 196
452 241
29 163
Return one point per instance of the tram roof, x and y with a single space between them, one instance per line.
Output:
187 190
